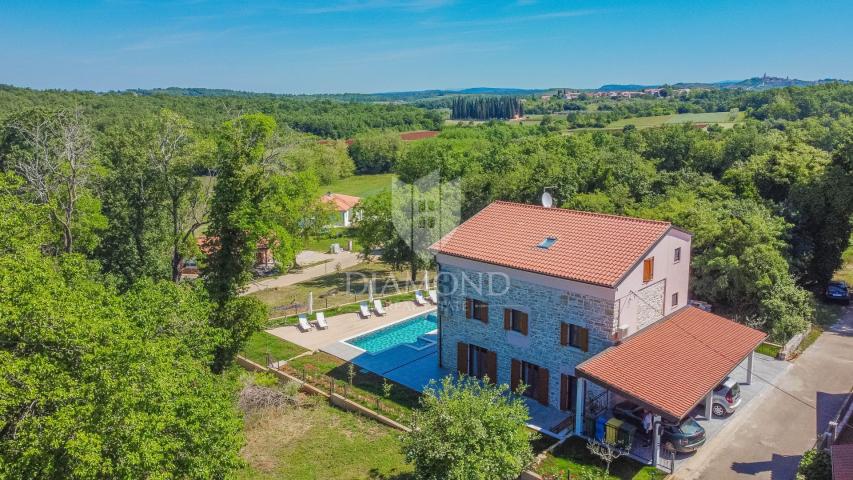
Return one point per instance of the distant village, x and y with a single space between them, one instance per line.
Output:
646 92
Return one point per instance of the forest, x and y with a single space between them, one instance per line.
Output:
111 367
486 108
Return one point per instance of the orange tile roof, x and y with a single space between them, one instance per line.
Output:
842 462
671 365
341 202
591 247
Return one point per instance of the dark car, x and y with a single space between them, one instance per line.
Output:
686 436
837 291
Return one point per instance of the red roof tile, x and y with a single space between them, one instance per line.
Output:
671 365
590 247
341 202
842 462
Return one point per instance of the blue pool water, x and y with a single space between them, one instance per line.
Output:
405 332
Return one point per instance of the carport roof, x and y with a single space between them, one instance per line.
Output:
669 367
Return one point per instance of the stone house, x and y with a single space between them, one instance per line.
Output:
527 293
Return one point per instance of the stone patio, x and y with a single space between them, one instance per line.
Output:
347 325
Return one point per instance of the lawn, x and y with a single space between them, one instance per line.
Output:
339 235
262 343
768 349
320 441
724 119
332 289
366 388
846 271
573 456
361 185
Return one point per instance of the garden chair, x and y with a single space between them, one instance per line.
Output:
377 307
321 321
303 322
365 312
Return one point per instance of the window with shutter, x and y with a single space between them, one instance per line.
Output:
515 320
579 337
648 269
462 358
542 386
515 374
564 333
477 309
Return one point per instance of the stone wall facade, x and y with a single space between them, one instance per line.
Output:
546 307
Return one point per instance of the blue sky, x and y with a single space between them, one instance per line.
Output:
391 45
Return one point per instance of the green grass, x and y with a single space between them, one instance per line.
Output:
340 235
768 349
724 119
846 271
262 343
366 389
320 441
573 456
331 290
361 185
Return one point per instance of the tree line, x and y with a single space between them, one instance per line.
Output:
769 202
102 350
486 108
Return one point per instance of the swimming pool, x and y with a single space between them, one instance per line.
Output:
408 333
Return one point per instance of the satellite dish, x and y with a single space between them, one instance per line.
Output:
547 200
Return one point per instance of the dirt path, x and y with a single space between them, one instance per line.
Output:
769 439
346 259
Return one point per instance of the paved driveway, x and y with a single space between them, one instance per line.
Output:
767 439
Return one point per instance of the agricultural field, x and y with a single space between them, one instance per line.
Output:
724 119
361 185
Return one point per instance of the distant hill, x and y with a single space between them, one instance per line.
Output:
428 97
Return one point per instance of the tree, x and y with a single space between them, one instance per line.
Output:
375 231
94 384
237 224
468 429
55 158
376 152
606 452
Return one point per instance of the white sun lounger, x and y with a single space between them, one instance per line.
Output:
365 312
419 298
321 321
377 307
303 322
433 297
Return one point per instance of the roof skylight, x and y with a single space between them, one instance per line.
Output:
547 243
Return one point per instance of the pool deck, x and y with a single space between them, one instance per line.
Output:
347 325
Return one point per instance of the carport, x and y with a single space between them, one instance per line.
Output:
669 367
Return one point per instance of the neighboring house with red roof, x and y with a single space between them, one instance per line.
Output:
344 206
576 305
264 260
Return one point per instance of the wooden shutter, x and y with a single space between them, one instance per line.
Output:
462 358
583 338
468 305
484 312
515 374
523 322
492 367
542 386
648 269
564 391
507 318
564 333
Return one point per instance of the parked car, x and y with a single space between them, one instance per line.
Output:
686 436
838 291
726 398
